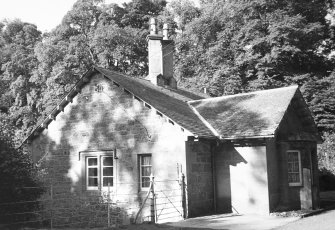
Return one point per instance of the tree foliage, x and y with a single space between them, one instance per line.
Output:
327 153
253 44
18 62
179 13
320 93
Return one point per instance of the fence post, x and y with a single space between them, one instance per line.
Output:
153 200
183 195
51 207
108 208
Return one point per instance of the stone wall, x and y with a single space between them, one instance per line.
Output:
105 118
273 164
223 160
199 178
294 134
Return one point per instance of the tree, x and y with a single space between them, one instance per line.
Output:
326 162
180 12
18 62
250 45
319 93
327 153
138 12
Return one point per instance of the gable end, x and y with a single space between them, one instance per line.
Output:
77 89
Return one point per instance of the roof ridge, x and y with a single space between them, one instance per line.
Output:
247 93
203 120
174 92
282 118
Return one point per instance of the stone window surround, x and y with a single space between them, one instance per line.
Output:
140 157
99 154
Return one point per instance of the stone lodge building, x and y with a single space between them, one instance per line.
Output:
247 153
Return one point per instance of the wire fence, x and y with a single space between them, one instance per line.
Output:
62 206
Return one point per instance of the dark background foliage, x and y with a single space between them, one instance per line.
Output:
17 181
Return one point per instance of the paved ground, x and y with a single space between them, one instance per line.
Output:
224 222
235 222
323 221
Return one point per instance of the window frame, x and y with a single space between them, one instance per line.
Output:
99 155
102 166
87 167
140 157
300 169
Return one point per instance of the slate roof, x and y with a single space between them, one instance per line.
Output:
255 114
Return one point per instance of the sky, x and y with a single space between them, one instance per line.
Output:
46 14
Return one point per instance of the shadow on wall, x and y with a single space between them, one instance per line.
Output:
235 157
257 167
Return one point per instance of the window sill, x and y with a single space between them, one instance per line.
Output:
143 191
295 185
92 192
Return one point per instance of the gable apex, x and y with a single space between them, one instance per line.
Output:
299 108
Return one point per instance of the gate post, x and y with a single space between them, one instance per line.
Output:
51 206
108 208
153 200
183 195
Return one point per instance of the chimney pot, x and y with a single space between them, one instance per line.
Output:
166 31
153 26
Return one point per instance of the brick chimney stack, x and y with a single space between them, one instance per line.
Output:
160 56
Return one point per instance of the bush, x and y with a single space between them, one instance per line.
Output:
327 180
326 161
18 183
326 152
